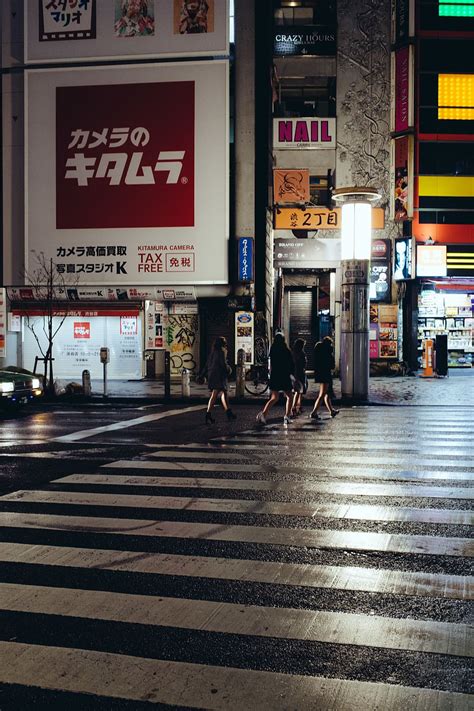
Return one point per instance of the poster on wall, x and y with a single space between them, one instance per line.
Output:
244 327
380 270
69 30
402 178
388 330
66 20
155 312
190 18
134 179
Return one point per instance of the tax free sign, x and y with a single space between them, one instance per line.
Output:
127 172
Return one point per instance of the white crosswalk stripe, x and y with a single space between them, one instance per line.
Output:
267 538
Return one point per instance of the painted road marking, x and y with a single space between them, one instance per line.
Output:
231 618
253 507
374 580
304 538
83 434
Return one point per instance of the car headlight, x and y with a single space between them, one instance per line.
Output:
35 383
7 387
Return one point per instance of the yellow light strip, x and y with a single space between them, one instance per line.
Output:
445 186
456 96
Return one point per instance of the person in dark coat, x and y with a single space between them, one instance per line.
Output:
300 385
282 370
218 371
323 366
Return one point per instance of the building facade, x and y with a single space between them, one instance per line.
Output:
176 179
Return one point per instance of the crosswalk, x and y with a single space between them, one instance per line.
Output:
322 566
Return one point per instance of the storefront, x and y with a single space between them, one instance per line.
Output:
446 301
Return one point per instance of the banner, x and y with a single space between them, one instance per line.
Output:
402 178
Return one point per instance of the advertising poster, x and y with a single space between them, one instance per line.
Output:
244 332
66 20
134 179
402 169
380 270
290 185
111 29
388 330
403 265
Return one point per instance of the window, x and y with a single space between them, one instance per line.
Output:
305 12
297 98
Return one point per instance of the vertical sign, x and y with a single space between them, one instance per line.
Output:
245 259
244 326
3 322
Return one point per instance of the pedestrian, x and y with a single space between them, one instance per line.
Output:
282 370
300 385
323 366
218 370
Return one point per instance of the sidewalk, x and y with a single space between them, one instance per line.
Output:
457 390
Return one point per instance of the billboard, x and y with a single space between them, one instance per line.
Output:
68 30
127 172
401 203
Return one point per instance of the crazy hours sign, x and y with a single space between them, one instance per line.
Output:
127 172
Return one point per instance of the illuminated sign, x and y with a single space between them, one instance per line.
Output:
431 260
403 259
454 8
456 97
319 218
304 133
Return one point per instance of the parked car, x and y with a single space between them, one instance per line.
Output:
18 386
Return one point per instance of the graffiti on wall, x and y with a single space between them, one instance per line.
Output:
182 341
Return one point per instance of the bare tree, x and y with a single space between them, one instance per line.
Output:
50 288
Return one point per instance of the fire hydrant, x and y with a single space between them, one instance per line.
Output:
186 383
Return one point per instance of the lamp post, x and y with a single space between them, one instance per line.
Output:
356 237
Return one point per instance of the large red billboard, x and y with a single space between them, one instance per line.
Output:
125 155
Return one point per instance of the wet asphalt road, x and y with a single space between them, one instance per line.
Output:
149 558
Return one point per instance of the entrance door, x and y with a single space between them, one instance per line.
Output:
303 319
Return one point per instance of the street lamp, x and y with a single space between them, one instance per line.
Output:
356 236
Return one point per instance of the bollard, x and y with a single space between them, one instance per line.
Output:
186 383
86 383
240 374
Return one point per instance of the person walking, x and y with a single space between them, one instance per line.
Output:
218 370
282 370
323 366
300 386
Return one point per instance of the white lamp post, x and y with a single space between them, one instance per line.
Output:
356 237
